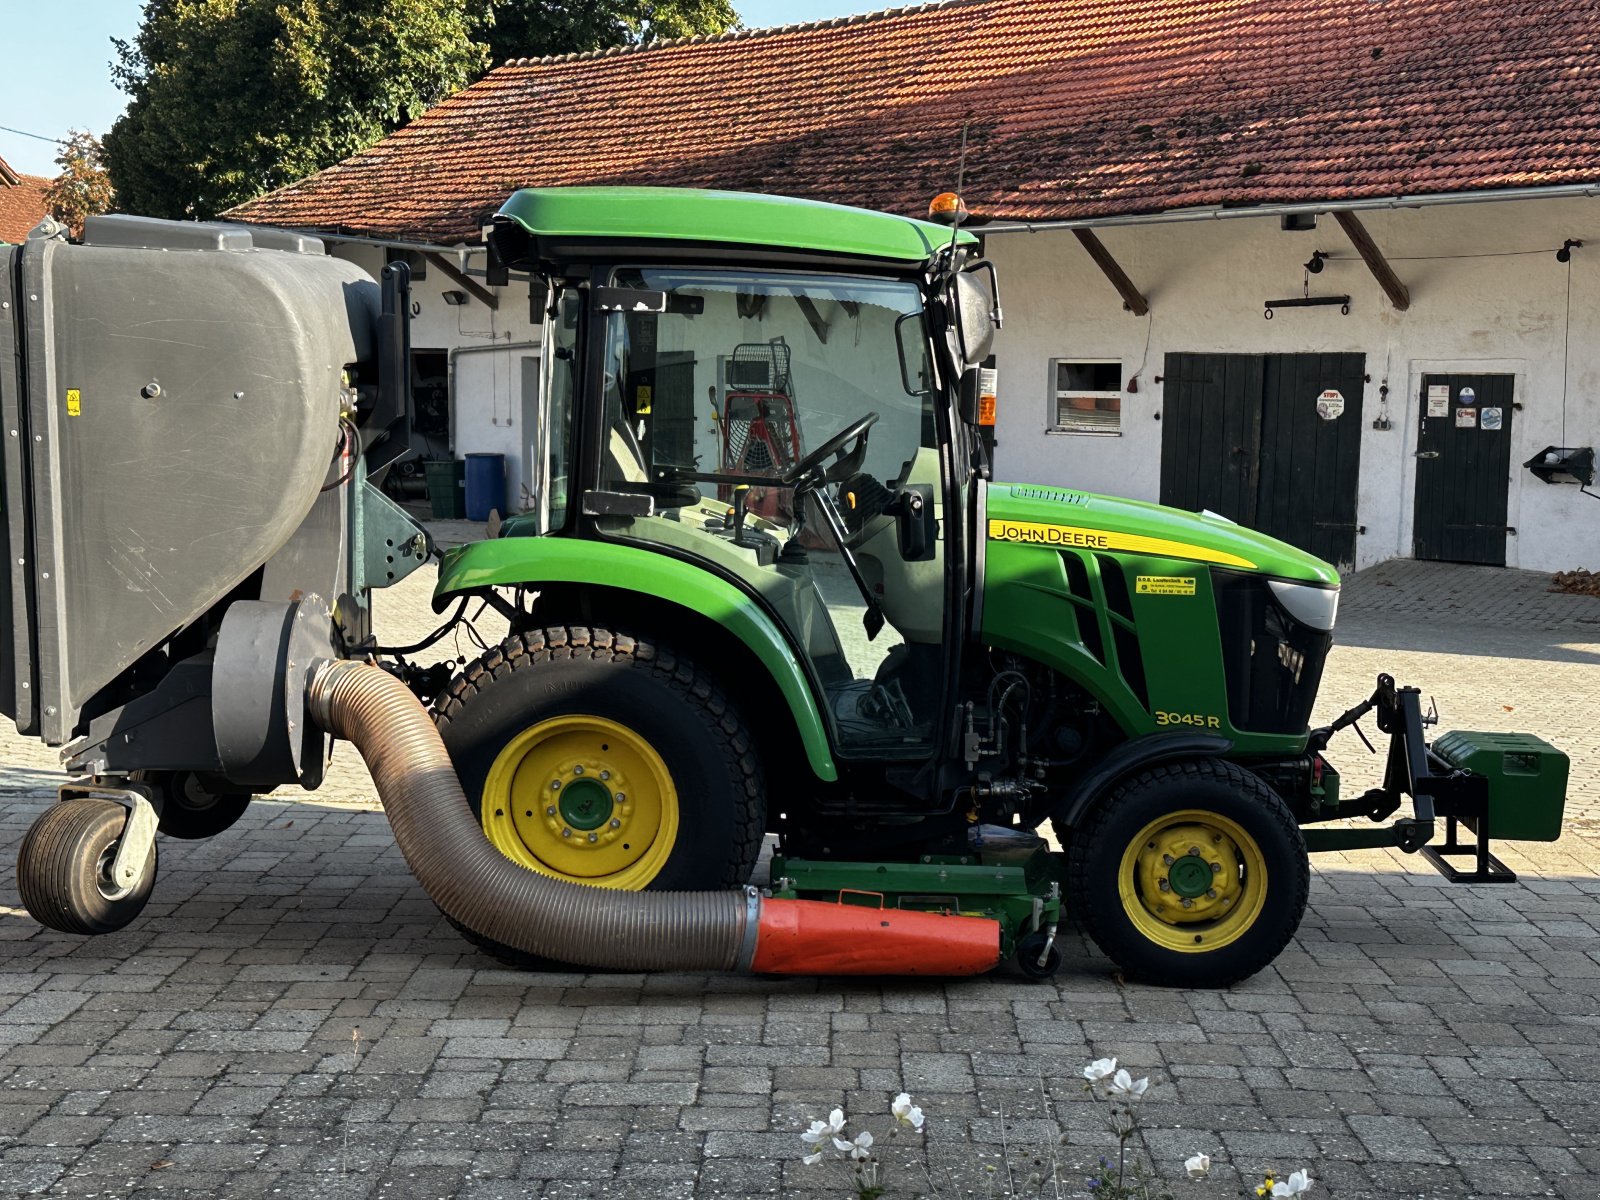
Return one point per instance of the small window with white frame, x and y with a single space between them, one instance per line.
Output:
1086 395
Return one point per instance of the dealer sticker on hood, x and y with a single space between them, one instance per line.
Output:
1165 585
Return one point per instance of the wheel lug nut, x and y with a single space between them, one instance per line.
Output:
555 785
605 774
616 824
1216 868
621 799
1211 893
551 811
594 837
1195 850
578 770
1168 859
1164 885
1188 903
565 832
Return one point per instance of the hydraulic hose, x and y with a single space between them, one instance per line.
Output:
471 881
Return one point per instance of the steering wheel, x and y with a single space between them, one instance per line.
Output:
812 463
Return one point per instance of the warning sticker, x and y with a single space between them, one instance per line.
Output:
643 398
1466 418
1330 404
1165 585
74 402
1439 400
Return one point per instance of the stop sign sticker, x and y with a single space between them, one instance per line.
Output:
1330 404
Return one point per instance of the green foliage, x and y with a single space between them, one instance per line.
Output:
232 98
83 188
534 28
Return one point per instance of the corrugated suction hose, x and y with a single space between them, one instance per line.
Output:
473 882
470 880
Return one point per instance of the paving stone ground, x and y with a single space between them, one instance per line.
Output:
291 1018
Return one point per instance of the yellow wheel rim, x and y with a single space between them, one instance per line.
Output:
582 798
1193 881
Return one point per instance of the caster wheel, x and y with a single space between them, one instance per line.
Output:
64 869
195 806
1029 952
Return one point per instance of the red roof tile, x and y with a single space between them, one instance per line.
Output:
22 204
1078 109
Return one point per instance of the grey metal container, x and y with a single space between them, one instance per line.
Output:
170 396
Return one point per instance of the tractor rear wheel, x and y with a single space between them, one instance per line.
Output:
605 759
1189 874
64 868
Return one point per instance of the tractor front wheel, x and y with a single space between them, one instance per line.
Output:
605 759
1189 874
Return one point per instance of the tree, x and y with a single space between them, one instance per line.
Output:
83 188
232 98
534 28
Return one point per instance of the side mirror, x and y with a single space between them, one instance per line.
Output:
977 312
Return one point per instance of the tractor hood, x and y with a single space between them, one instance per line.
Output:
1048 516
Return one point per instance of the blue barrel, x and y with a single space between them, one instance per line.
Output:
486 485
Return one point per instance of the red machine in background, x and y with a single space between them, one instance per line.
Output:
760 435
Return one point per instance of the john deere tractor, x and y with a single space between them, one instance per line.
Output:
766 585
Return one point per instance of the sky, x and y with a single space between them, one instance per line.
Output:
57 76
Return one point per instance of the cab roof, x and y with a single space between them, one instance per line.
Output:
723 218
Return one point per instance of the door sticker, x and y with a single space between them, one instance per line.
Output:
74 402
1466 418
1439 400
1468 398
1330 404
1490 419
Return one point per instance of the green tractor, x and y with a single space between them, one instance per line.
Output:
767 585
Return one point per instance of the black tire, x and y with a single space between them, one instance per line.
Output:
63 863
659 694
1029 951
1123 842
195 806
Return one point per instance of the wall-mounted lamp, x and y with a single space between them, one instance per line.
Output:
1564 255
1564 464
1315 264
454 299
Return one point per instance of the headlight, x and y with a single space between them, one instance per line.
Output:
1312 606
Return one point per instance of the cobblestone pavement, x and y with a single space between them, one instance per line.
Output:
292 1018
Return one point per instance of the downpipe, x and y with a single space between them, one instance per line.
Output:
474 883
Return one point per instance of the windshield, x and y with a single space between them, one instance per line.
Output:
739 377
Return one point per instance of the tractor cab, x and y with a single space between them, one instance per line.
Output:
774 417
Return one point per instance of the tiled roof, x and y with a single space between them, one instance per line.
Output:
22 203
1077 109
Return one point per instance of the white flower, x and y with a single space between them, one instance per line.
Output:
906 1112
856 1149
1099 1069
1123 1084
1198 1166
1299 1182
812 1160
820 1132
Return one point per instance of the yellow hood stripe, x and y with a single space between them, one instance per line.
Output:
1078 537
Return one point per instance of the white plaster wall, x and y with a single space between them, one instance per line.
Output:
486 393
1206 282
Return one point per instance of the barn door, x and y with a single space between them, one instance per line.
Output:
1211 436
1463 469
1311 453
1270 441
